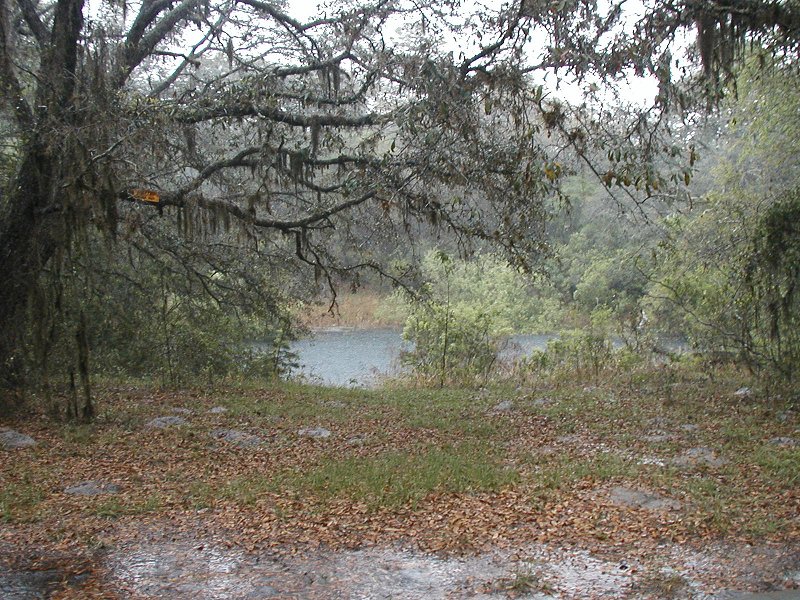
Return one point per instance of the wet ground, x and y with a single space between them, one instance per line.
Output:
172 564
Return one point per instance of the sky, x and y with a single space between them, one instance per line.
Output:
636 90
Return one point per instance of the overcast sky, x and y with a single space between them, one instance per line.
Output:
638 90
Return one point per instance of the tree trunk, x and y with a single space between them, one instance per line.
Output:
31 219
29 231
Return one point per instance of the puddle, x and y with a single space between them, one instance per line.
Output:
181 570
25 585
576 574
33 585
194 569
181 565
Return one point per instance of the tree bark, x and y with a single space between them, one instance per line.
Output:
28 240
31 223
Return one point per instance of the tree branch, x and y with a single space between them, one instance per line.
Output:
139 43
249 109
34 22
9 84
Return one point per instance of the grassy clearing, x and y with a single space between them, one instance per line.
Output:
402 449
394 479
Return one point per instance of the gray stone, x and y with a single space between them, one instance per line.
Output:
785 442
502 407
689 427
92 488
164 422
743 392
314 432
262 591
660 423
542 402
699 456
639 499
218 410
571 438
655 438
14 439
237 438
182 411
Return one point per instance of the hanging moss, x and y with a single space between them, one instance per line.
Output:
773 278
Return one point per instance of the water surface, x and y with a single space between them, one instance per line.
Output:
358 358
361 358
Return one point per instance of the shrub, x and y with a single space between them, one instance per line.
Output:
455 343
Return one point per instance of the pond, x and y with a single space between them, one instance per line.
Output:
361 358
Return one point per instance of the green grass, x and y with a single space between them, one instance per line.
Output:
18 502
78 434
779 465
296 402
557 472
714 503
393 479
200 495
247 489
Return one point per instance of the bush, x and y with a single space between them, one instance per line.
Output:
452 344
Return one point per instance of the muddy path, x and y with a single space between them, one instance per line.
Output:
161 560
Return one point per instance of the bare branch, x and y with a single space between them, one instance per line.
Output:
9 84
237 109
140 42
34 22
180 199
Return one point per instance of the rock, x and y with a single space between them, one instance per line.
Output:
570 439
689 427
319 433
699 456
92 488
237 438
542 402
182 411
357 440
651 460
14 439
502 407
784 442
660 423
743 392
655 438
218 410
164 422
639 499
262 591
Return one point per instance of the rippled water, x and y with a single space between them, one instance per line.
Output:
349 358
363 357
